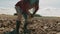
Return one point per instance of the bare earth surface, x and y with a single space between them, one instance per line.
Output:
39 25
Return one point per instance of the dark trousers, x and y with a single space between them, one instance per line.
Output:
20 11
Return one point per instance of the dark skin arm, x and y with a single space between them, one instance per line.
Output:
36 6
35 10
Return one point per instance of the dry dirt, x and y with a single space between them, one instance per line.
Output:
39 25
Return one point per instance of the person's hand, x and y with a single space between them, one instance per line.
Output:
32 15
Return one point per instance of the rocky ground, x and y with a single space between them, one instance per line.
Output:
39 25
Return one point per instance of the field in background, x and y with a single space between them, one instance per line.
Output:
39 25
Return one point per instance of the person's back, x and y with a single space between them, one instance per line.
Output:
25 5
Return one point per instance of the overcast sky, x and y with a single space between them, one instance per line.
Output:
43 3
50 3
47 7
